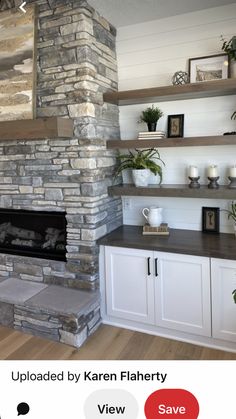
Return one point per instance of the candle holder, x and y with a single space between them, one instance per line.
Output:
232 184
213 182
194 184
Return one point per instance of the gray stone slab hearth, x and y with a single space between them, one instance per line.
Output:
50 311
63 300
17 291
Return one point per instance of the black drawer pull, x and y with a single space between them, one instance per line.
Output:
156 273
148 263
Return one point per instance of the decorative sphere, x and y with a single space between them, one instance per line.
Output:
180 77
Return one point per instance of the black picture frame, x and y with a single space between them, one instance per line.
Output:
175 126
210 219
209 67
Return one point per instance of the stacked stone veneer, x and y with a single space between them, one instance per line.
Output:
76 63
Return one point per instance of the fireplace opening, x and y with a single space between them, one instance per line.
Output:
39 234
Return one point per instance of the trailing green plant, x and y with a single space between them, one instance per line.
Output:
151 115
141 159
229 47
234 295
232 211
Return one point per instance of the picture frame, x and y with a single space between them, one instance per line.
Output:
210 219
207 68
175 126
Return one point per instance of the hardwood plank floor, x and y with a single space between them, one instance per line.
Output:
107 343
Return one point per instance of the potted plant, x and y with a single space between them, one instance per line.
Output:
142 163
151 115
229 47
232 214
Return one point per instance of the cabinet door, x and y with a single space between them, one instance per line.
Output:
182 289
223 274
129 284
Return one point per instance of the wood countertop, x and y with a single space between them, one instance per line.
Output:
189 242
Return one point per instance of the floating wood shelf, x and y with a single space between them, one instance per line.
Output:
169 93
30 129
174 142
177 191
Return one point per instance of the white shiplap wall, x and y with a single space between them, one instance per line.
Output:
148 55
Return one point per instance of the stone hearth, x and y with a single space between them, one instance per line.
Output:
76 64
57 313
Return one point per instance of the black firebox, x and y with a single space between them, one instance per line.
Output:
39 234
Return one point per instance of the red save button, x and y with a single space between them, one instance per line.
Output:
171 403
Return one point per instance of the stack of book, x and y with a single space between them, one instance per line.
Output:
151 135
162 230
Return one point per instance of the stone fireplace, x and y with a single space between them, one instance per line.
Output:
69 176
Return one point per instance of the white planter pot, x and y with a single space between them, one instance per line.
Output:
235 230
127 176
141 177
153 179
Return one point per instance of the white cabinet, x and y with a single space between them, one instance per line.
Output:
129 284
182 293
164 289
173 295
223 276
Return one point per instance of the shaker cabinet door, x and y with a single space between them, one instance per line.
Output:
223 307
182 290
129 284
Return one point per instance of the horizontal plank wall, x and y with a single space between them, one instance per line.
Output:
148 56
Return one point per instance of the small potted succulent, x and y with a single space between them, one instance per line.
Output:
142 163
151 115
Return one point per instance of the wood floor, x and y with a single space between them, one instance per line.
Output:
111 343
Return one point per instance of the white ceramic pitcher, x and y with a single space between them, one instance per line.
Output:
153 215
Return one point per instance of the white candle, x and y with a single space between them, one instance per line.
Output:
232 171
193 171
212 171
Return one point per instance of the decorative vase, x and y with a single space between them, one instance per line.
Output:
140 177
151 126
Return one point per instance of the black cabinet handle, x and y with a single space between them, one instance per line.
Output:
156 273
148 266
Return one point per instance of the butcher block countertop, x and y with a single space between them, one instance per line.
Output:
189 242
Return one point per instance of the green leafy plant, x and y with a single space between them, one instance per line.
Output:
234 295
141 159
232 211
229 47
151 115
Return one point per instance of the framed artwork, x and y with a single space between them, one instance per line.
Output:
17 64
212 67
210 219
175 126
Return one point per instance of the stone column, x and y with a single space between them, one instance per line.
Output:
76 64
